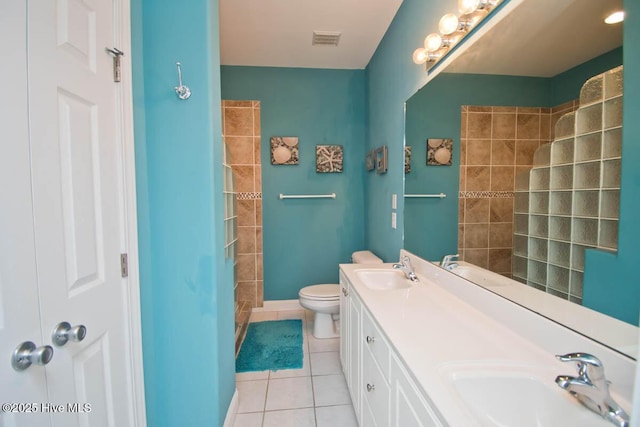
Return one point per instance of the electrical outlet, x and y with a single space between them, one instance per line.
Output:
393 220
394 201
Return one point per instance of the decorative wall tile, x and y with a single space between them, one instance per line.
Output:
407 159
329 158
439 151
284 150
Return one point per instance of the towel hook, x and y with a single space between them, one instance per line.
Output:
182 91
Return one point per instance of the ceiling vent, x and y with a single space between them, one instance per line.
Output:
325 38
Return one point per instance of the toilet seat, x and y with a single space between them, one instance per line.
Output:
321 292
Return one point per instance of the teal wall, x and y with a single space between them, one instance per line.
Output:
186 285
305 240
431 225
392 78
611 282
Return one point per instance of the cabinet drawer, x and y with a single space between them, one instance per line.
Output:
376 343
375 389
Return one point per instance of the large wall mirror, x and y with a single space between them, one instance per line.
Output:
534 177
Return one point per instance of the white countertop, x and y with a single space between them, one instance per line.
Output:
444 325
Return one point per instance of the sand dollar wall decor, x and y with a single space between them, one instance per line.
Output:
329 158
284 150
439 151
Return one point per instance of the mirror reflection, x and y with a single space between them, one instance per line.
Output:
534 177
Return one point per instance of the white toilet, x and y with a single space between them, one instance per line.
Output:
324 300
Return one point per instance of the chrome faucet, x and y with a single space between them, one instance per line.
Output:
591 388
447 262
407 269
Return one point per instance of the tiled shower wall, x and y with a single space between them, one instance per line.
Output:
241 132
496 144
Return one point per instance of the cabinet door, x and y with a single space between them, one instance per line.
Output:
355 351
344 325
408 407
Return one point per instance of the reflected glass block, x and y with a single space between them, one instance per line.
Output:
589 119
612 144
560 228
558 278
521 202
575 287
613 113
577 257
560 203
537 272
565 126
613 83
592 90
539 202
588 147
561 177
611 173
585 231
539 179
519 267
521 223
560 253
562 151
539 225
542 156
538 249
608 234
610 207
587 175
520 245
586 203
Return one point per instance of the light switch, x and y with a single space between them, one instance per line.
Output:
393 220
394 201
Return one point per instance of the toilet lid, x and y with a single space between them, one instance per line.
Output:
321 292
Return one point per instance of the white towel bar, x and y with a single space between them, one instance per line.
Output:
426 196
307 196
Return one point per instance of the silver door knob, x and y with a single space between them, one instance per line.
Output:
64 332
27 354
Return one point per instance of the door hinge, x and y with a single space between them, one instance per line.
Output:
124 265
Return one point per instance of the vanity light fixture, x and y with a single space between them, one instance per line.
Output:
615 17
466 7
453 28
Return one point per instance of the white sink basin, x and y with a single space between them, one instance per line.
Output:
522 399
383 280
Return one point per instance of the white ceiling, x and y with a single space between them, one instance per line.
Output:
277 33
543 38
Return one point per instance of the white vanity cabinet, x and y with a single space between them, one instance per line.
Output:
350 341
381 389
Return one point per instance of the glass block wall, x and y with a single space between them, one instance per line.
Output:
569 200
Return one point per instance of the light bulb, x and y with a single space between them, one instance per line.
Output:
615 17
468 6
420 55
448 23
433 42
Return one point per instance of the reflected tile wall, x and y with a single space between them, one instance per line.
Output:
241 132
497 144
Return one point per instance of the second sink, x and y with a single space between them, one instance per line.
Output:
383 280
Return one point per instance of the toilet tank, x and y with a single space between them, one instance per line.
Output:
365 257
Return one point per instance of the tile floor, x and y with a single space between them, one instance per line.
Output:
314 396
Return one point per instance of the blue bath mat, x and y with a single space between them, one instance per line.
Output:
271 345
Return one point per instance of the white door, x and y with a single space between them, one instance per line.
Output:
19 315
78 206
63 216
